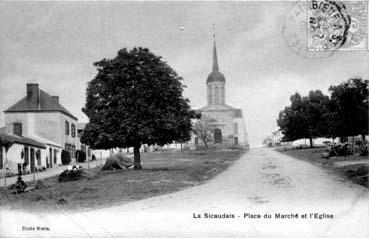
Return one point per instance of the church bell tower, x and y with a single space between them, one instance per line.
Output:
216 81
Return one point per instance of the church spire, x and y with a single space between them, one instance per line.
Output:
215 57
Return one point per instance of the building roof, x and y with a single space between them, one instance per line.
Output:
47 104
45 141
22 140
215 75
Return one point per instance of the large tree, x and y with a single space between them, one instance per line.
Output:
304 118
348 108
135 98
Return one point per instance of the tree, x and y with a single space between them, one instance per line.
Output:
316 108
267 141
135 98
291 120
348 108
5 142
305 117
203 129
65 157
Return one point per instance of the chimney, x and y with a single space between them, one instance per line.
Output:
56 98
33 96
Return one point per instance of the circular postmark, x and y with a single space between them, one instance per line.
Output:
328 25
312 32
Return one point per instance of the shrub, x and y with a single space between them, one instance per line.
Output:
65 157
117 162
72 175
81 156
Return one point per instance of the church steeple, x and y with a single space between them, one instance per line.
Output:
215 57
215 81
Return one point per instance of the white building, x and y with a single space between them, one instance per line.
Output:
227 121
40 118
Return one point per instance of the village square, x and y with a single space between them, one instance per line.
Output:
161 119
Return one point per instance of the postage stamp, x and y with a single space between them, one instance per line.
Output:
337 25
319 28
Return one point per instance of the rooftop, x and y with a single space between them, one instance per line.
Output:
38 100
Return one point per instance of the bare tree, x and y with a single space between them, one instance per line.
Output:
203 129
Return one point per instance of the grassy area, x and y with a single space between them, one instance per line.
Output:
354 168
163 172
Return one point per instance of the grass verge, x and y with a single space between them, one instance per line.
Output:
354 168
162 173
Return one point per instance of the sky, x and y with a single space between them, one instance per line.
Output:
55 44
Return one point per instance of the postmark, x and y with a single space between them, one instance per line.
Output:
294 32
319 28
328 25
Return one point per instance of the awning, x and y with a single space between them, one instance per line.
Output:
46 142
22 140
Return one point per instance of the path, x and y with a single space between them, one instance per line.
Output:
262 181
56 170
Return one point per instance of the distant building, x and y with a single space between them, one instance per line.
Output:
276 138
227 121
40 118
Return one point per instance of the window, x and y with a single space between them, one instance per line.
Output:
1 158
236 128
73 151
216 94
17 129
66 128
67 147
73 130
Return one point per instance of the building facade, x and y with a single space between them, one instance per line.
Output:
41 118
227 122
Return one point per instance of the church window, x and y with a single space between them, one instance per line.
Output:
222 94
209 94
236 128
216 93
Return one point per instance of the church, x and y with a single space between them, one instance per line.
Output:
228 127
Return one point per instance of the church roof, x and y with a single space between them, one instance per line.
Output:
218 107
46 102
215 75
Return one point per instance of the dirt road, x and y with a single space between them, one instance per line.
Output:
301 199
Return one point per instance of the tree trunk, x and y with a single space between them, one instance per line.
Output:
206 144
311 142
137 157
4 166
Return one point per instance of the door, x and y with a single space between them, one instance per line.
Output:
236 140
55 158
217 135
51 157
32 160
1 157
26 158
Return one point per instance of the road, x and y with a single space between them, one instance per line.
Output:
261 182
